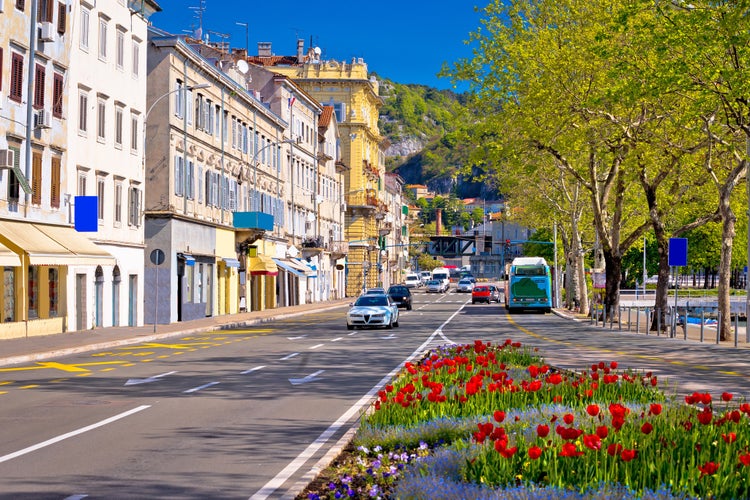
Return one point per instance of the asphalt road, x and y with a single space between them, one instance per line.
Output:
249 413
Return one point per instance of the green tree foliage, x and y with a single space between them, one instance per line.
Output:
428 262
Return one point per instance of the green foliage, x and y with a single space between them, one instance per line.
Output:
428 262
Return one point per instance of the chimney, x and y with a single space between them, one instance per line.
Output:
264 49
300 49
438 221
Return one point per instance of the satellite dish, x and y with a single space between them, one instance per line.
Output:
317 51
243 66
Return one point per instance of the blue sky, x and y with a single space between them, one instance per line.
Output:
406 41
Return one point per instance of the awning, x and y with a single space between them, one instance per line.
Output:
231 262
262 265
189 259
311 270
290 267
8 258
48 245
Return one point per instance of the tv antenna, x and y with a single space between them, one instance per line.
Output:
199 10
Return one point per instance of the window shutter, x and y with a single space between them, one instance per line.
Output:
57 95
16 78
61 17
36 178
55 183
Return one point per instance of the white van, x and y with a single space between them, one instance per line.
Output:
442 274
412 281
426 276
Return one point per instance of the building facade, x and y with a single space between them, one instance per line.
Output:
353 94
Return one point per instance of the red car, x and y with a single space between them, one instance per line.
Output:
481 293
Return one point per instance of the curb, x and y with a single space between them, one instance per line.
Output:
26 358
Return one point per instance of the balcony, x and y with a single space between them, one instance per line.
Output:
364 200
339 249
312 245
385 228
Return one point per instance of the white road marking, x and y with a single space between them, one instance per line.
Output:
204 386
71 434
304 380
76 497
136 381
316 346
336 339
251 370
297 337
290 356
283 476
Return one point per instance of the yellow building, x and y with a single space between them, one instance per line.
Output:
347 87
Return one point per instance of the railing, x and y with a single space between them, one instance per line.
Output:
313 242
340 247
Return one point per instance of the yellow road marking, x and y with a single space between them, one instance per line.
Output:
6 382
31 386
107 369
78 367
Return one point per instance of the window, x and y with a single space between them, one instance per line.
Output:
53 283
179 172
134 133
62 19
33 291
190 181
118 202
100 198
16 77
120 59
101 110
14 188
118 126
84 40
57 95
83 105
39 76
136 59
36 177
178 99
102 39
54 191
81 183
45 11
134 206
200 184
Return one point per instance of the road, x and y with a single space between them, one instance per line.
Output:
248 413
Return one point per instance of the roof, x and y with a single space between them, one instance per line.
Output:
325 117
274 60
529 261
416 186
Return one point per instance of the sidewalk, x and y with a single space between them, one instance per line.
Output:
693 333
29 349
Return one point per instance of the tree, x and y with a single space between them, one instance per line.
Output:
428 262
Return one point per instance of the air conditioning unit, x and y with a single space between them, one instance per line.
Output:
42 119
7 158
47 32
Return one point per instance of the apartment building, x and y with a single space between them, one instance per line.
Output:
347 87
105 163
394 234
49 267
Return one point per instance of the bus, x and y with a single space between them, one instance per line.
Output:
528 285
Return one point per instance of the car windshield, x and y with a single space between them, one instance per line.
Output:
433 282
465 282
397 289
481 289
372 300
375 291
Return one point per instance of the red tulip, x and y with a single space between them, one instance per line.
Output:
726 396
592 410
708 469
613 365
628 455
568 418
729 438
646 428
535 452
542 430
570 450
654 409
614 449
706 416
602 431
745 459
499 415
592 441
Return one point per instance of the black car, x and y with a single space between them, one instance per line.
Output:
401 296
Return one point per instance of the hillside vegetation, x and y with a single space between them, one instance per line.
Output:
425 127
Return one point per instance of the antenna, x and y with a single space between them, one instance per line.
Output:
199 10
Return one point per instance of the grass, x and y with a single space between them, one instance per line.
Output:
494 421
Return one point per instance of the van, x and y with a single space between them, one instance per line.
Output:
442 274
426 276
412 281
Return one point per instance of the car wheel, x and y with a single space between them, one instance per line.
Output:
408 307
389 326
395 324
473 302
350 327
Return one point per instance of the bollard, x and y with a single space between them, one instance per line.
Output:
619 318
658 322
629 310
685 326
703 322
637 320
736 330
718 328
648 320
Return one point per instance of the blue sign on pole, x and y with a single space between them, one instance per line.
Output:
678 252
87 214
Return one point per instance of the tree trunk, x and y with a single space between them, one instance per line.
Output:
725 266
583 289
613 269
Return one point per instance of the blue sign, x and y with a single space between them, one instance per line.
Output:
678 252
87 214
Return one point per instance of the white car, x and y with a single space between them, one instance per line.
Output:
425 276
412 281
436 286
465 285
372 311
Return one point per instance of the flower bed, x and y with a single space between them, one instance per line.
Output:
494 421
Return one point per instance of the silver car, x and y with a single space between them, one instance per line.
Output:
372 311
465 285
436 286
